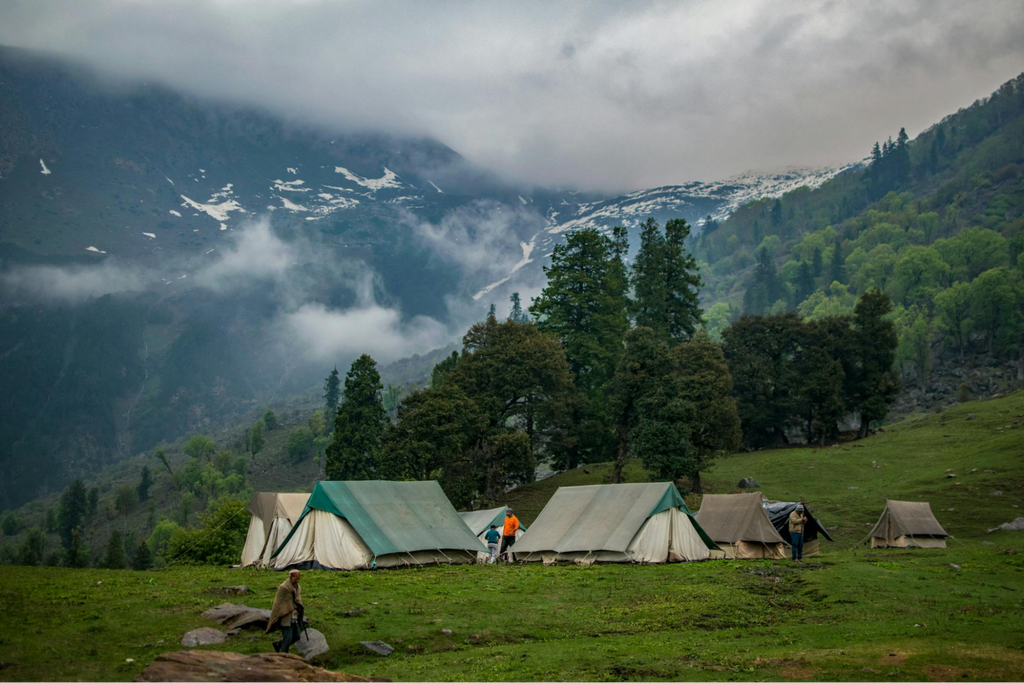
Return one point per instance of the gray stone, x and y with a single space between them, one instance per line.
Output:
996 493
203 636
446 631
954 567
950 476
748 483
230 590
311 644
1015 525
378 647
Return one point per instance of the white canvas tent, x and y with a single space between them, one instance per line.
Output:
479 521
906 524
740 526
614 523
365 524
272 517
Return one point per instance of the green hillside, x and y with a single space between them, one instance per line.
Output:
981 443
853 614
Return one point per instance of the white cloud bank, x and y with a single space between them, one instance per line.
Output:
598 94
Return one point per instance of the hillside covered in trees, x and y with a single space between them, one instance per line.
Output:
936 222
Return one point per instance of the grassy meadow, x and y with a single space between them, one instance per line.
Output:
852 614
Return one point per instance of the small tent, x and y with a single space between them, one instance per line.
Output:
479 521
906 524
615 523
779 512
364 524
272 517
740 526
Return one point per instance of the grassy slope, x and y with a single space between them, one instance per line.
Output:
854 615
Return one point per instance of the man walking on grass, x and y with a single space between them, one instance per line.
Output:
797 519
492 537
286 611
508 535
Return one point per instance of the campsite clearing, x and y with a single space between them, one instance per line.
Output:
852 614
727 619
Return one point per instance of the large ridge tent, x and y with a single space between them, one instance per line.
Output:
362 524
740 526
273 515
778 513
615 523
479 521
906 524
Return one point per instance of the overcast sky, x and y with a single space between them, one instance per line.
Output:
596 95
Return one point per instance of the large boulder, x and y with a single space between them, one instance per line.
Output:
210 665
203 636
238 616
311 644
748 483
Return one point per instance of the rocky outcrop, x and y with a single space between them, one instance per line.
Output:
211 665
238 616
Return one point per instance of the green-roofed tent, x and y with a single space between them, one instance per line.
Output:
361 524
615 523
479 521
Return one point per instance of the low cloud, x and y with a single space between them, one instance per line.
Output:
326 334
255 254
70 284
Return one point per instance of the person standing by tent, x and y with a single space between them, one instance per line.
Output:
492 536
508 535
797 519
287 611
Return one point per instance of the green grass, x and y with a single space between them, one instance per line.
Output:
853 614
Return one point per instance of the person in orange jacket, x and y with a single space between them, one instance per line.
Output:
508 535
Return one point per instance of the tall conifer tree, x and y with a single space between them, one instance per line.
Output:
359 426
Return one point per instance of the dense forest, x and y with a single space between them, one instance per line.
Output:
937 223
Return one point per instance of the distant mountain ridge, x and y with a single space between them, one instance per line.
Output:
104 180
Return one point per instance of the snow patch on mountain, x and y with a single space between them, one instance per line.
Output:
290 186
389 179
527 248
218 212
45 170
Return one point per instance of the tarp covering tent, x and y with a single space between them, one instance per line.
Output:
361 524
615 523
740 526
778 513
906 524
479 521
273 515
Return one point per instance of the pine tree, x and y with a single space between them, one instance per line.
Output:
33 549
76 554
776 217
584 306
765 286
441 370
875 384
359 426
72 510
650 295
160 455
142 557
92 504
516 314
142 490
491 312
632 395
836 265
682 284
817 265
804 282
114 557
332 395
705 384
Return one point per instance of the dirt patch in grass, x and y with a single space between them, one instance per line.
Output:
946 672
893 658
